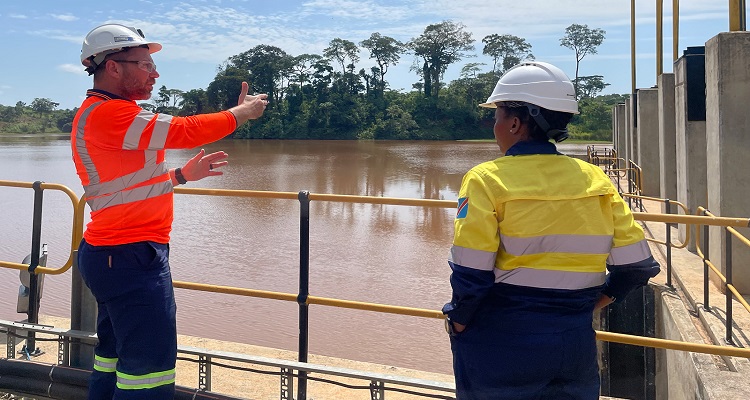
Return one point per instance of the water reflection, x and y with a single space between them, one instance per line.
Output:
375 253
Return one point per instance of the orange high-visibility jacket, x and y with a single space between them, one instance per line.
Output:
118 151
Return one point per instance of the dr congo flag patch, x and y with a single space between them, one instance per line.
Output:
463 207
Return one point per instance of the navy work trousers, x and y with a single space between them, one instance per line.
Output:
136 322
524 347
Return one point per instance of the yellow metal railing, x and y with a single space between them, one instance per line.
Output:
76 234
731 291
391 309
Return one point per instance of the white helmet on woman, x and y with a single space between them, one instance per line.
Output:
537 83
111 38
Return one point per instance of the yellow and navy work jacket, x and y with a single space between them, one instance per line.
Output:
118 150
540 220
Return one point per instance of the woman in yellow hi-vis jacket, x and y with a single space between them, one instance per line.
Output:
535 233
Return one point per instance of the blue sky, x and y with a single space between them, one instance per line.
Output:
42 39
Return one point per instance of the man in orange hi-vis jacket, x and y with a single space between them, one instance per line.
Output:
118 150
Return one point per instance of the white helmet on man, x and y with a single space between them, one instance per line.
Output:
111 38
537 83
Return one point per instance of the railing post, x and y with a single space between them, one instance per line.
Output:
83 313
705 264
668 241
630 183
727 292
304 287
36 241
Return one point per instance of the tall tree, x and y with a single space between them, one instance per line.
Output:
303 66
194 101
223 91
267 67
508 49
439 46
167 100
341 50
385 50
582 40
590 86
43 106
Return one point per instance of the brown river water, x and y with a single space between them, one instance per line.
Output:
384 254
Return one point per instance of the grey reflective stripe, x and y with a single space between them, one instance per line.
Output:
629 254
149 170
579 244
125 381
130 196
161 129
135 130
134 133
104 366
550 279
470 258
81 149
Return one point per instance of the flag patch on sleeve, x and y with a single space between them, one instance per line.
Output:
463 207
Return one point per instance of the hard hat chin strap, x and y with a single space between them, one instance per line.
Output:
558 135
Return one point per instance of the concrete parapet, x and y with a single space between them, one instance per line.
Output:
727 143
690 128
667 145
648 140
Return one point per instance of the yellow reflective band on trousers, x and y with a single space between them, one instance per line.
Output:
103 364
148 381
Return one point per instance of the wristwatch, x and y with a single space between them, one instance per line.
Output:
179 176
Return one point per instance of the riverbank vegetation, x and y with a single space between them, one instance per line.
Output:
326 96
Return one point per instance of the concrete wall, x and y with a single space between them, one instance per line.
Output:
690 144
648 141
727 143
667 144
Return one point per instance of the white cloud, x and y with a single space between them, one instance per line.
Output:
73 69
18 16
366 10
59 35
64 17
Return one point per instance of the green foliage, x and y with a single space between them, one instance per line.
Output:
595 120
312 99
508 49
582 40
440 46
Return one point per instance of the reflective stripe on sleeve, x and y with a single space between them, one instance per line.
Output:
103 364
161 129
148 381
579 244
470 258
135 130
139 124
130 196
629 254
550 279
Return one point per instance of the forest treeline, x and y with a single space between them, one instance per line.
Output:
326 96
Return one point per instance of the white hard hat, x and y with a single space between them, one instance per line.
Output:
111 38
537 83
